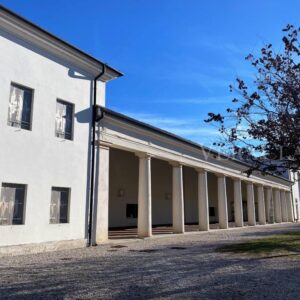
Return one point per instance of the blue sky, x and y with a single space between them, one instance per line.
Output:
178 56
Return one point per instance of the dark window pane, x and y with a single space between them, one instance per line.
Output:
64 204
69 121
212 212
19 206
26 112
132 211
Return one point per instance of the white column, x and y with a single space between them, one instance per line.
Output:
283 206
203 207
100 219
289 205
238 203
178 202
250 204
144 196
222 202
277 203
269 206
261 205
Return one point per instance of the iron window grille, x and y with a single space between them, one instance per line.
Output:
12 204
64 120
20 107
59 207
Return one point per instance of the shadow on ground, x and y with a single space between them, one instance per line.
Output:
192 272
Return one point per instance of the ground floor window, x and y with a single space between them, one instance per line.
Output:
212 212
132 211
59 207
12 204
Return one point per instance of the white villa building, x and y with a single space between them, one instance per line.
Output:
72 172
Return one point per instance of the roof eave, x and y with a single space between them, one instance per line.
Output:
180 139
27 30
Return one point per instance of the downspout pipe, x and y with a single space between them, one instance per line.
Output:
93 144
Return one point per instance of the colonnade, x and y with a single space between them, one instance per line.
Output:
278 206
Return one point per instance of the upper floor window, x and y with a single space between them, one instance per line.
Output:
12 204
20 107
64 120
59 207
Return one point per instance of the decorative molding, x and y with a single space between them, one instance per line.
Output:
176 164
201 170
143 155
104 145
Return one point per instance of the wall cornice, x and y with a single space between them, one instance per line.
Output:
126 139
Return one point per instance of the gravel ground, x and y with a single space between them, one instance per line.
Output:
173 267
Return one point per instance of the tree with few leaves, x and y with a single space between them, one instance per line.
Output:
263 125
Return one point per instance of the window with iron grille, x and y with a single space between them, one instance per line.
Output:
12 204
59 207
20 107
64 120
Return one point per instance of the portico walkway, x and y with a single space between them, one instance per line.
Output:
131 232
269 195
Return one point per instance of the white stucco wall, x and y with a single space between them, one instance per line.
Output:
37 158
296 195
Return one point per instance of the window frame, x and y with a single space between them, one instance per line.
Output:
73 119
24 87
68 207
24 202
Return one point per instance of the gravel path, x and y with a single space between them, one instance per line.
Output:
173 267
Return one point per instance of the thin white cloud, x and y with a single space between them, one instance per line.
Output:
189 128
198 101
192 131
206 80
221 46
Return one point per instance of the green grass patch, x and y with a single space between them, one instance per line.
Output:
281 244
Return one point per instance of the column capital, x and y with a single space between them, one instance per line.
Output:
248 182
201 170
175 164
260 185
220 175
104 145
236 178
143 155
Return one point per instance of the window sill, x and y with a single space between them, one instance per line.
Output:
11 226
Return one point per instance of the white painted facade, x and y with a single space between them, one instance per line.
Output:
296 195
36 157
173 181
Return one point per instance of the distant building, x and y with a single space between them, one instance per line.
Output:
59 191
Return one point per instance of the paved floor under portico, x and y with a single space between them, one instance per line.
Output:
131 232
